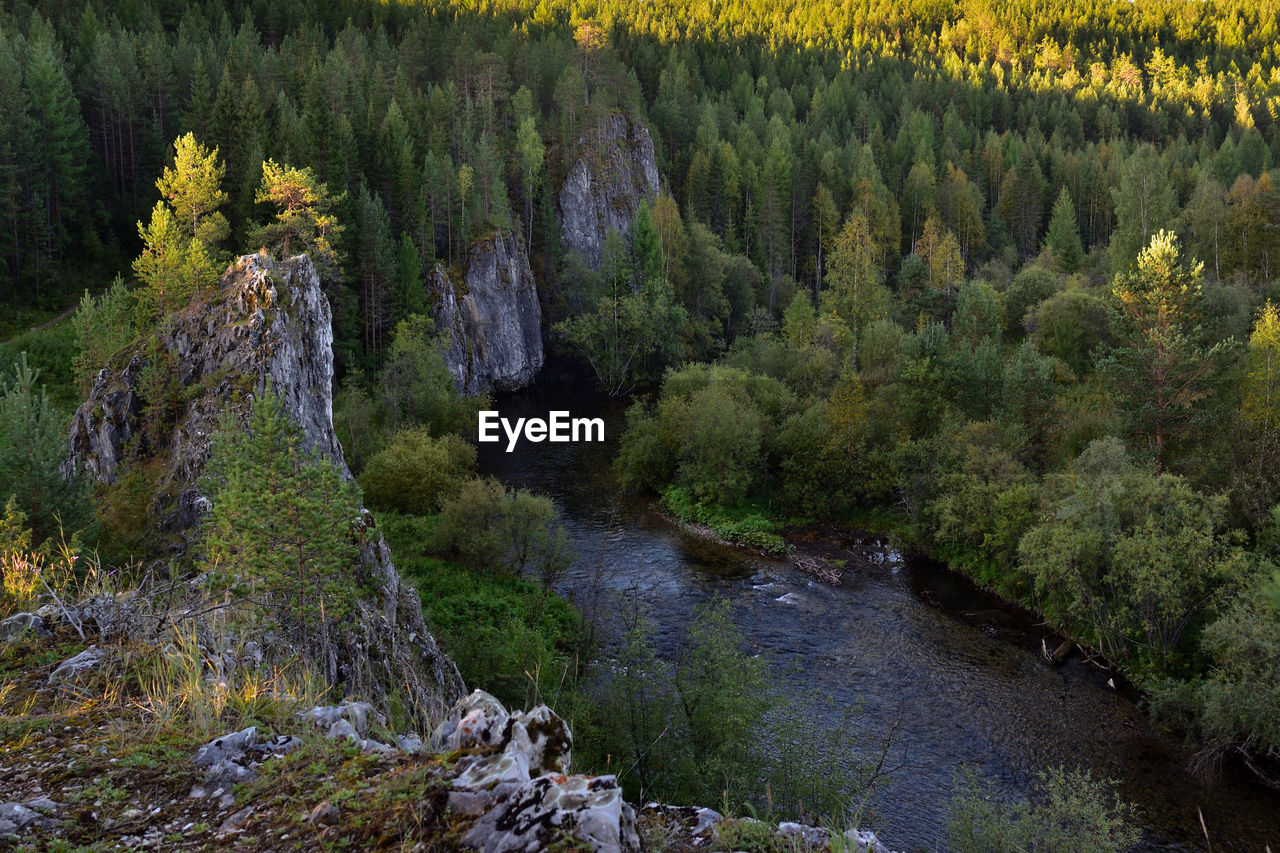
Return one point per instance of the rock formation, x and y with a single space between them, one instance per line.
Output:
614 172
492 318
268 321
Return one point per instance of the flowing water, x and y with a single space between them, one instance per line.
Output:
900 643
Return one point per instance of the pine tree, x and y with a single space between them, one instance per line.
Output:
59 160
1158 370
32 449
303 221
192 186
103 327
282 526
1063 237
377 256
172 267
15 155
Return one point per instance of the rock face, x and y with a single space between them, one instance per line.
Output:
269 321
492 318
615 171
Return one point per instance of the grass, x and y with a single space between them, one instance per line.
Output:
750 526
521 641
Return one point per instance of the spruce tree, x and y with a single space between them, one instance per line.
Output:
1063 238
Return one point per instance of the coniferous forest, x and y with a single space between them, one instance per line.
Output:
997 280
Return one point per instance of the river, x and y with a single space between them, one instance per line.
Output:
904 642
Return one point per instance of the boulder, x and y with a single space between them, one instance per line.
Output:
71 668
16 817
21 624
476 720
589 810
543 737
230 747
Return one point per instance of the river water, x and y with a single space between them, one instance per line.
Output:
903 643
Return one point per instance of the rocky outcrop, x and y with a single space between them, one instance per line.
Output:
517 783
268 322
492 317
613 173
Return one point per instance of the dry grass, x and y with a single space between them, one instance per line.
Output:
184 685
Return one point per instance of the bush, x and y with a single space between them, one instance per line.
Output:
415 385
416 473
508 635
487 527
1073 811
744 526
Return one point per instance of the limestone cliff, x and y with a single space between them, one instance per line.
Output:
157 405
614 171
492 317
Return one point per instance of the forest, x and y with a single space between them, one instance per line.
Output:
998 278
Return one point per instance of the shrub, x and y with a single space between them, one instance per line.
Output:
1073 811
416 473
487 527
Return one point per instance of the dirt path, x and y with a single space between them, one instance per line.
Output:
46 324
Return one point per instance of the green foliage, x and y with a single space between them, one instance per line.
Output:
487 527
1071 811
125 511
51 351
172 267
1070 326
192 186
103 327
742 525
985 502
303 220
1235 702
1145 205
1130 558
14 533
627 327
177 260
508 634
415 473
1160 370
712 724
1063 236
415 386
33 447
1030 287
284 526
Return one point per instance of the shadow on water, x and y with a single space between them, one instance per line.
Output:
905 642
